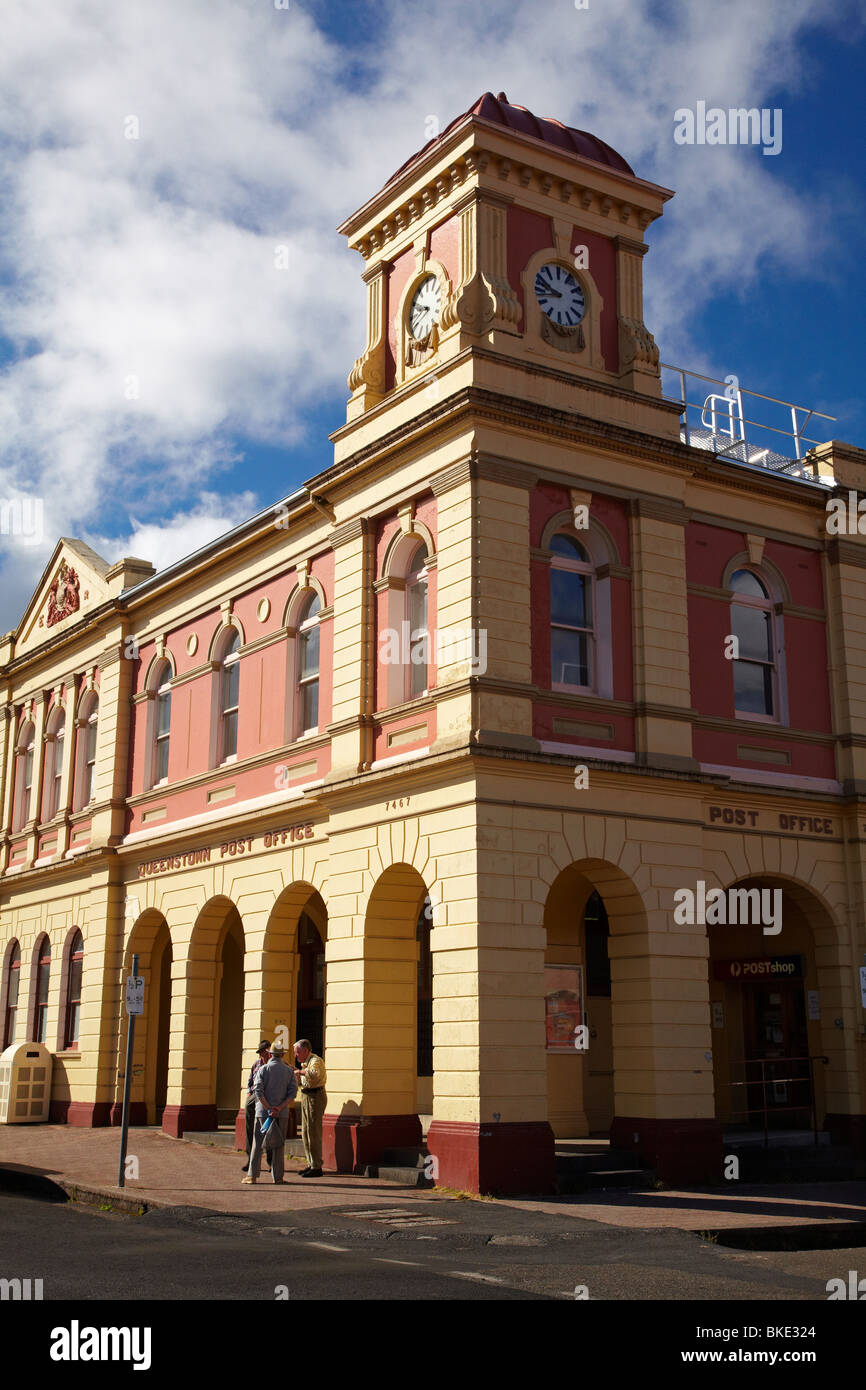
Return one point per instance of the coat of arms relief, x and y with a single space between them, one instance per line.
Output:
63 595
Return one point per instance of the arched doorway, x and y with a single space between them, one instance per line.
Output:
310 1012
771 1005
150 940
577 991
230 1016
382 1112
205 1078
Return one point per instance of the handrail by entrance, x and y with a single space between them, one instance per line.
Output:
764 1108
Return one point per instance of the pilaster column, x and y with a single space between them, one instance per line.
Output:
7 763
350 727
490 1131
367 377
112 744
34 811
638 354
67 776
662 687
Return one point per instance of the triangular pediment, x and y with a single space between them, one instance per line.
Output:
73 583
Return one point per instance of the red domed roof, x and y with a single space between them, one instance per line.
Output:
500 110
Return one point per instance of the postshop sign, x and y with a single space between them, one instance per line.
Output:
759 968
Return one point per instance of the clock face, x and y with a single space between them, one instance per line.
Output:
559 295
426 303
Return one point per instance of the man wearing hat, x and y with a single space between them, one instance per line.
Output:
263 1051
275 1089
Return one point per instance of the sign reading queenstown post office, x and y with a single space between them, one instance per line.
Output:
229 849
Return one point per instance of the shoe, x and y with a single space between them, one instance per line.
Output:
312 1173
280 1182
246 1167
251 1181
305 1172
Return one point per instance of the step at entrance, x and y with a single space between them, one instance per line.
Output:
598 1167
403 1166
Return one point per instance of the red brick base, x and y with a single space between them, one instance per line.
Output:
91 1114
137 1113
350 1142
177 1119
241 1129
500 1159
683 1152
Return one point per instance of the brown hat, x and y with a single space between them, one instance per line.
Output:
278 1050
264 1046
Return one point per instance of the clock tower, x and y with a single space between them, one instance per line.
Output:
507 254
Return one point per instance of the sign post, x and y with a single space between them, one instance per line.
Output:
134 1005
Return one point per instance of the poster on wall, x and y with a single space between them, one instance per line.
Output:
563 1005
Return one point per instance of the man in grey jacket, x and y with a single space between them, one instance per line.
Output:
275 1089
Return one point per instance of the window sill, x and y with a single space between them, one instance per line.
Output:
67 1053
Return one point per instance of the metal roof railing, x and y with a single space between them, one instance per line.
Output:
717 421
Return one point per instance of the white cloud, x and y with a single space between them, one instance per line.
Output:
139 287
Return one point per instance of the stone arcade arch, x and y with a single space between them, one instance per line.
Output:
377 1047
150 940
581 1085
771 1011
207 1015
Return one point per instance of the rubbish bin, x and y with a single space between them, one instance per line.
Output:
25 1084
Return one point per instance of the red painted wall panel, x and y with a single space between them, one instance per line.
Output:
528 232
602 267
444 242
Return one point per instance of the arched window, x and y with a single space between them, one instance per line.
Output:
229 689
24 775
43 973
755 662
85 771
308 666
73 991
161 684
13 985
572 635
55 736
416 618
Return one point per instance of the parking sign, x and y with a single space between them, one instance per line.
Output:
135 994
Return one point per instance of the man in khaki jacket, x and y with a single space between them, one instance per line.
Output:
311 1074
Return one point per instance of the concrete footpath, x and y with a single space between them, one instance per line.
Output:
177 1172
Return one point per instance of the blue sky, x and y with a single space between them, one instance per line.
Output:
160 379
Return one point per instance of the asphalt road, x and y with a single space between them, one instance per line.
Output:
431 1251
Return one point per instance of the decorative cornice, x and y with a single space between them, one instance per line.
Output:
660 509
455 476
387 236
348 531
846 552
490 468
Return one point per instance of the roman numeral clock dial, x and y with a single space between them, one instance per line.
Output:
425 308
559 296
